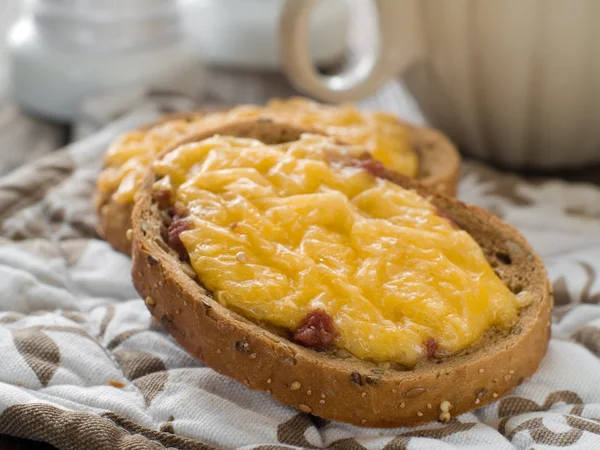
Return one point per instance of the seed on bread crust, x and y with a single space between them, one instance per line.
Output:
188 270
343 353
481 392
304 408
524 298
445 406
415 392
356 378
295 386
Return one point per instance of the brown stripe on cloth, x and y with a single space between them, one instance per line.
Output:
71 430
29 184
39 352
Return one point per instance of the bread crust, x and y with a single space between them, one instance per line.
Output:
348 389
439 169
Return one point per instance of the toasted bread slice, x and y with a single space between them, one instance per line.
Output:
439 167
342 387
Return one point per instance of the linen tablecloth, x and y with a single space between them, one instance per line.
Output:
82 365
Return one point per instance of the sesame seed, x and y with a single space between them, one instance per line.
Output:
445 406
477 401
246 382
419 414
150 301
305 409
295 386
495 395
269 381
129 235
481 370
363 421
253 355
511 371
322 402
402 405
246 345
506 377
219 351
364 394
395 391
309 392
323 396
495 380
241 257
428 405
445 416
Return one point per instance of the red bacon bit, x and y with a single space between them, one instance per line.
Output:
371 165
162 197
178 226
431 345
316 330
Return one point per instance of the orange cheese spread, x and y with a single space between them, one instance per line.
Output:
277 232
380 133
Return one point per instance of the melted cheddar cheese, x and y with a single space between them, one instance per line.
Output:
380 133
280 231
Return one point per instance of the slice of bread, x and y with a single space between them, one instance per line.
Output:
439 167
335 385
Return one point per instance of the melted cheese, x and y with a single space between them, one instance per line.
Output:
279 231
380 133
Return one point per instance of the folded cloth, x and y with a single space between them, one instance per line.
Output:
84 366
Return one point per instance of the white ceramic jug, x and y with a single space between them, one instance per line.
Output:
516 82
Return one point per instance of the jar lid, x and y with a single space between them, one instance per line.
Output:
106 25
98 11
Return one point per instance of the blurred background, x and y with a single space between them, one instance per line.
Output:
516 84
68 67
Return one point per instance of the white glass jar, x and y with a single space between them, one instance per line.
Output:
62 52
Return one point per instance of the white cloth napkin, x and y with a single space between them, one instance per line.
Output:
83 366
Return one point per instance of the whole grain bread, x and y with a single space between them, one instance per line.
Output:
439 167
335 385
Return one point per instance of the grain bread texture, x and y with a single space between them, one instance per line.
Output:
439 167
335 385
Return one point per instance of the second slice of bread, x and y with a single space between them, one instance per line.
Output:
439 167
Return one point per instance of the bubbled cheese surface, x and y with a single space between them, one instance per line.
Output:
382 134
279 231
